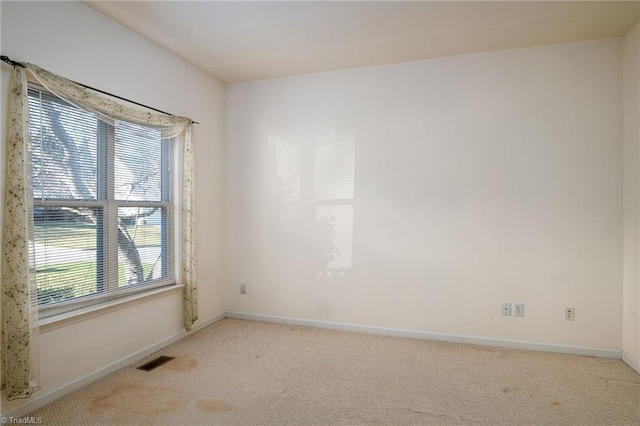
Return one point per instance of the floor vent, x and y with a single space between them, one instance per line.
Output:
155 363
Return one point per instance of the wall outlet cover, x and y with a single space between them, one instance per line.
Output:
506 308
518 310
570 314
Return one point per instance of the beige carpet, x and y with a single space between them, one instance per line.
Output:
252 373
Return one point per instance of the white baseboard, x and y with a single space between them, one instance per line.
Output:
38 399
504 343
206 323
631 361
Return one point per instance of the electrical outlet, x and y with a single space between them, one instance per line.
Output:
506 308
518 310
569 314
243 288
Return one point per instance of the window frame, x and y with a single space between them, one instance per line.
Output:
107 286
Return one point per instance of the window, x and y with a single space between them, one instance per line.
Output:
103 206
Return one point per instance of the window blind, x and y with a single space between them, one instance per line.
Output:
103 206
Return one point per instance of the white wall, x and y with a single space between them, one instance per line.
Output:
453 185
631 137
73 40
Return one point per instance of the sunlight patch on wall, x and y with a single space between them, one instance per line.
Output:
316 190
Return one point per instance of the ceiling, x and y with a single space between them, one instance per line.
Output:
237 41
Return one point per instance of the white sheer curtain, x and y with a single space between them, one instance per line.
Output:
19 326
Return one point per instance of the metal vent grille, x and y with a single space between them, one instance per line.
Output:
155 363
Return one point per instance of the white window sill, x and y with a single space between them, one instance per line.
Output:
82 314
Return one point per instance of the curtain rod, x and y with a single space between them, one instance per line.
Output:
18 64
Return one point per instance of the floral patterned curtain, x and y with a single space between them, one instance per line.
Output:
190 295
19 305
19 328
107 109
